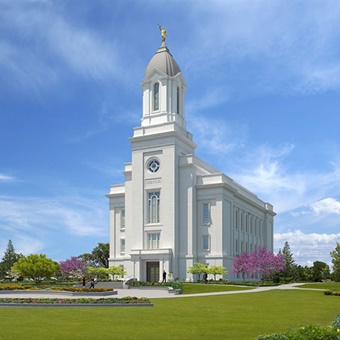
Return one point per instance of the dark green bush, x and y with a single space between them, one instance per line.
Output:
310 332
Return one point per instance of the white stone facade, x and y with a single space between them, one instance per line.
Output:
174 209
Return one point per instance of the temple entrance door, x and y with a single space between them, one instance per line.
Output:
152 271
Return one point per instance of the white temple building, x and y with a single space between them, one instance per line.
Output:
174 209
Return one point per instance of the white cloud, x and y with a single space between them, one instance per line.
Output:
217 137
6 178
326 206
295 47
71 215
41 40
307 248
83 50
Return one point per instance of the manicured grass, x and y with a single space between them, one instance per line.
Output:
197 288
322 285
235 317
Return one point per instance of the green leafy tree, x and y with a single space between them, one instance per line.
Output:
116 270
8 260
320 271
36 267
335 255
103 273
217 270
198 268
99 256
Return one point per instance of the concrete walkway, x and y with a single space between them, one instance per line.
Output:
141 292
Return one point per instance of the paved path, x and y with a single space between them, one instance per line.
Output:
148 293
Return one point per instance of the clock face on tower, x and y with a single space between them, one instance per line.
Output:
153 165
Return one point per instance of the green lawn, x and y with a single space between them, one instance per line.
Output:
197 288
328 285
237 316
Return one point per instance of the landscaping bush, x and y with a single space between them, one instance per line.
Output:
174 285
80 290
16 287
336 323
313 333
310 332
330 292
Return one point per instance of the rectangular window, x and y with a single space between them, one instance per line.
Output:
122 245
122 218
206 213
153 240
205 242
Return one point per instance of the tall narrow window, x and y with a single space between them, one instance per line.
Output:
122 245
153 240
178 99
122 218
156 97
153 205
206 213
205 243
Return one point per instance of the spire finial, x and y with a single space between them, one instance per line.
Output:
164 34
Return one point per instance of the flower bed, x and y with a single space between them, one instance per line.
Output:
57 289
81 290
16 287
330 292
75 302
174 285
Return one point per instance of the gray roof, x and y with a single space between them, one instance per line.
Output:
164 62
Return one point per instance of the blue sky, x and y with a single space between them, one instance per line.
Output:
262 103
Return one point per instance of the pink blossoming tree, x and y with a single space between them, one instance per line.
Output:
261 262
73 267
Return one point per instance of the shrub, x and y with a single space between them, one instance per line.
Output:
16 287
312 332
80 290
174 285
330 292
336 323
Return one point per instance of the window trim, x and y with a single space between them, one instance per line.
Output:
122 219
156 97
178 110
206 220
150 213
149 242
153 170
207 239
122 247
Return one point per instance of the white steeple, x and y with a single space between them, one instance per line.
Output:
163 90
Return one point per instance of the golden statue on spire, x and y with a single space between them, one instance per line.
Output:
163 30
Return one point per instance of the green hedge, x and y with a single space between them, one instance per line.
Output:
310 332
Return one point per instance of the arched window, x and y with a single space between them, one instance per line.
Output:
156 97
153 207
178 100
